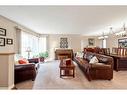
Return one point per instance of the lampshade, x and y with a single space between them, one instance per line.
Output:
28 49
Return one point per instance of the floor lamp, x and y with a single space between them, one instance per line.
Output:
28 49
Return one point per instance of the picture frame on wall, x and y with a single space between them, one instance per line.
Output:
63 43
9 41
91 41
2 41
122 43
2 32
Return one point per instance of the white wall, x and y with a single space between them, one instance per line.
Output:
85 41
76 42
7 60
10 33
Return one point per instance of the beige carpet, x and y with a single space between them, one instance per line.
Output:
48 78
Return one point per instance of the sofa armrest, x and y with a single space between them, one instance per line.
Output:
107 60
110 62
33 60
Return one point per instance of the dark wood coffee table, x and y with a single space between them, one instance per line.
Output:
67 70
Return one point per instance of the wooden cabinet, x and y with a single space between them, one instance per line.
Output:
120 62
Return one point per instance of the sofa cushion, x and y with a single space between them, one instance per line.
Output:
102 58
79 54
94 60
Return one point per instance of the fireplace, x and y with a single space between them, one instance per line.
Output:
63 54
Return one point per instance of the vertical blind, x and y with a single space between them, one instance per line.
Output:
34 43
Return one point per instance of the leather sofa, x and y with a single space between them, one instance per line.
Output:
101 70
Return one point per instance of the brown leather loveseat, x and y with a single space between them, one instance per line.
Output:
101 70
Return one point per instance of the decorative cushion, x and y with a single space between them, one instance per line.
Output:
16 62
79 54
22 61
94 60
89 56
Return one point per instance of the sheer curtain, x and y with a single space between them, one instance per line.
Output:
34 43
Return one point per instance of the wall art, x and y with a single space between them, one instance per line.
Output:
2 41
9 41
2 32
63 43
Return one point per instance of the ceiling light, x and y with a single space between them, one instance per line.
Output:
122 33
103 36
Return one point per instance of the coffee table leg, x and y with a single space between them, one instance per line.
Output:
73 73
60 73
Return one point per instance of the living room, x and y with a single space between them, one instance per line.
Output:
44 30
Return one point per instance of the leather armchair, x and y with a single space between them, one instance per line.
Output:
25 72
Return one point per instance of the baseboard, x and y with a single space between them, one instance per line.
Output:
7 88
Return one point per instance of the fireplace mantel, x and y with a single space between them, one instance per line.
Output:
65 53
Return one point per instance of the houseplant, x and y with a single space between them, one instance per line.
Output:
43 56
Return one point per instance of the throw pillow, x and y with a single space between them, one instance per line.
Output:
79 54
16 62
94 60
23 61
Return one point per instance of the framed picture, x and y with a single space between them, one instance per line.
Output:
2 32
63 43
9 41
91 41
2 41
122 43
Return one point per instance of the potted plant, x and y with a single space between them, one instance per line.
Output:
43 56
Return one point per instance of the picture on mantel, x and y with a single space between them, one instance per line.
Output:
63 43
91 41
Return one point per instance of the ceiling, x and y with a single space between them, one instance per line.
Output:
84 20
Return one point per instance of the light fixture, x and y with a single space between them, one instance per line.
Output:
103 36
111 30
122 33
28 49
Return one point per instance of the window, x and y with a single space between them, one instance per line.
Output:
104 43
43 44
32 44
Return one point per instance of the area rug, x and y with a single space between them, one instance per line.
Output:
48 77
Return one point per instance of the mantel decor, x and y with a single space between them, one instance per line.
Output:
2 41
2 32
91 41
